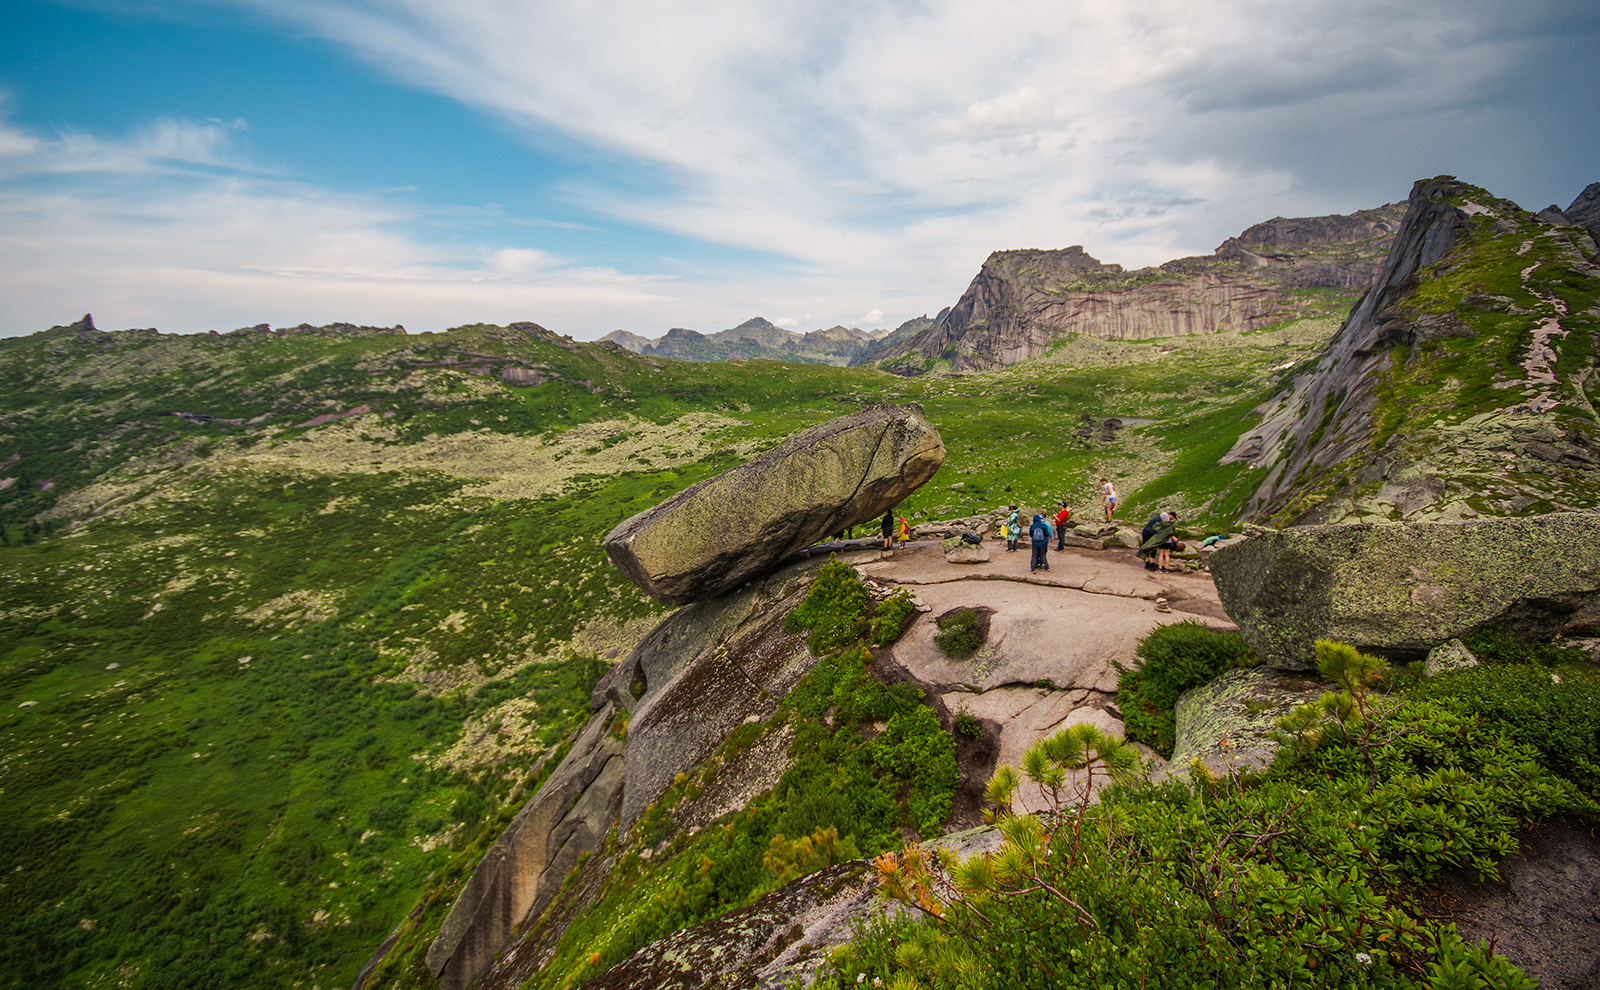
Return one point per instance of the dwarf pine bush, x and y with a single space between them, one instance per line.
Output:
1303 875
1172 659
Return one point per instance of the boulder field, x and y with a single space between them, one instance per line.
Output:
724 531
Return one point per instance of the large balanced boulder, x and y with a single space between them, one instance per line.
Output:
1400 589
726 530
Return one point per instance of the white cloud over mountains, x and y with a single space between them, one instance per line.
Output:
885 147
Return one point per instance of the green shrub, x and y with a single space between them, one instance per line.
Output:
967 724
1172 659
1494 646
1557 713
1298 877
888 617
960 633
833 609
915 748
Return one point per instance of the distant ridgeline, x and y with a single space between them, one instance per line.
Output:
756 338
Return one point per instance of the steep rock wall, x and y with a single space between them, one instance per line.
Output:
1022 302
1472 349
705 670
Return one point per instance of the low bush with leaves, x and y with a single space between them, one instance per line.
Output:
1172 659
888 617
1557 713
1303 875
1497 646
833 611
960 633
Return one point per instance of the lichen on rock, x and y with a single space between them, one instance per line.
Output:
1400 589
720 533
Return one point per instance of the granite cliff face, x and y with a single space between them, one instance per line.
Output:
756 338
1462 384
1022 302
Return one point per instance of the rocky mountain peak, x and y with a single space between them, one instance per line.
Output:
1409 413
1585 210
85 325
757 323
1022 303
1288 233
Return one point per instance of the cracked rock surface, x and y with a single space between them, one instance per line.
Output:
1048 660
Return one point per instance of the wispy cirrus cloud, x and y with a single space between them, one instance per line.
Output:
834 131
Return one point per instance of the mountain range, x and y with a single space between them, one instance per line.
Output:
757 338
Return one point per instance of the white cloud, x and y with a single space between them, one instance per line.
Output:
873 317
886 147
845 134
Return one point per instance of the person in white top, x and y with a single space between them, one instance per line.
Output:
1108 500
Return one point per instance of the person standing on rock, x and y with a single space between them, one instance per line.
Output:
1061 526
1039 536
905 531
887 526
1013 530
1158 542
1108 497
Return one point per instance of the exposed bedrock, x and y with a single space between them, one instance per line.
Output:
1400 589
1227 723
726 530
702 672
1022 303
524 868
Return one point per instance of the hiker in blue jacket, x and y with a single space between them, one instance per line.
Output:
1039 534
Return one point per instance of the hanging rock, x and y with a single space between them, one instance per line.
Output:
726 530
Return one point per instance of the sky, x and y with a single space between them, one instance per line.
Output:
594 165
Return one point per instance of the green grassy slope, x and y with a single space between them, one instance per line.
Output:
261 680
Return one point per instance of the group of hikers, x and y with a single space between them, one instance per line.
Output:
1040 532
1157 542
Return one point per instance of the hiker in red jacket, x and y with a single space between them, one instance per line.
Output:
1061 525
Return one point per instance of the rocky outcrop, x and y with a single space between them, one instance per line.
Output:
1480 308
1402 589
959 551
1023 302
726 530
705 670
521 872
761 945
1585 210
1227 723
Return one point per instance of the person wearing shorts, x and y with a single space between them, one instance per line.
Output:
1108 497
